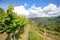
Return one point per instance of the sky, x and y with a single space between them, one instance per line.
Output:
34 8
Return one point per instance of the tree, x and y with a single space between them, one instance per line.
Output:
2 20
15 21
11 21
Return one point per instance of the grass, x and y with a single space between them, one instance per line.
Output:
34 36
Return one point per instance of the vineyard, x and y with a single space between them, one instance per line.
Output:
18 27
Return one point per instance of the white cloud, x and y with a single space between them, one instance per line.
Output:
47 11
50 7
35 10
51 10
21 10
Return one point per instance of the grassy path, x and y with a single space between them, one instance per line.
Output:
41 35
34 33
45 37
25 35
34 36
38 35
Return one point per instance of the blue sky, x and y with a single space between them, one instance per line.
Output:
41 3
27 4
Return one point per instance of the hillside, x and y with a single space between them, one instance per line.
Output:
42 19
48 25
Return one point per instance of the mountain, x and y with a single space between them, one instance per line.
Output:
42 19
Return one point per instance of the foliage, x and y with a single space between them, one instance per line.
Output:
15 21
11 19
